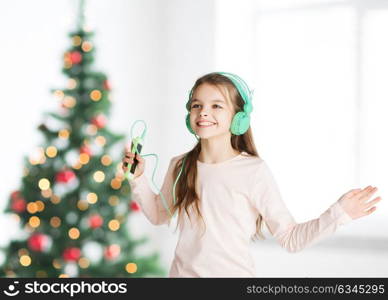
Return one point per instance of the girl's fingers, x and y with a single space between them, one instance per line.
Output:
130 154
128 160
367 194
369 211
373 202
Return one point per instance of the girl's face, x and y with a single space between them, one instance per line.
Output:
211 113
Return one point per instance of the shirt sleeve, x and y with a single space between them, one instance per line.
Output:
289 234
151 203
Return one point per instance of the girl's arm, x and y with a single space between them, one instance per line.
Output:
291 235
151 203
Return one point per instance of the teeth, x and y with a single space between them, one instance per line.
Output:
205 123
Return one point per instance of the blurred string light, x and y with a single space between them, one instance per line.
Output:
72 83
25 260
55 222
37 157
40 205
87 46
55 199
67 60
64 134
131 268
83 158
47 193
69 102
82 205
114 225
77 165
59 94
115 183
113 200
95 95
92 198
91 129
83 262
100 140
34 222
99 176
32 207
51 151
41 274
57 264
23 251
44 184
106 160
74 233
77 40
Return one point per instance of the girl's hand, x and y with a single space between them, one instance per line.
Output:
129 158
355 202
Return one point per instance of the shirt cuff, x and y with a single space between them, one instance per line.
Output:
340 214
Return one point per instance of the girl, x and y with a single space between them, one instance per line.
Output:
226 192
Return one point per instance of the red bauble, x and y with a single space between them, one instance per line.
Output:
15 194
112 251
106 85
134 206
71 254
99 120
65 176
39 242
75 57
95 221
85 149
18 205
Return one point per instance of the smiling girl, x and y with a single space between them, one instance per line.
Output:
224 192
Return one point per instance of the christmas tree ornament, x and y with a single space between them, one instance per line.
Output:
95 221
86 150
39 242
99 121
75 57
112 252
134 206
18 205
106 85
65 176
71 254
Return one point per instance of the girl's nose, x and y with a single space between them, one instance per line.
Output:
203 112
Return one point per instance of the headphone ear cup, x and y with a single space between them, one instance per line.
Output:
240 123
188 124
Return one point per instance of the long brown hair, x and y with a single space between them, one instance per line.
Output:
186 194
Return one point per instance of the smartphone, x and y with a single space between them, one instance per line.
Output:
136 146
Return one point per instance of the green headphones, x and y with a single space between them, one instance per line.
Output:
241 120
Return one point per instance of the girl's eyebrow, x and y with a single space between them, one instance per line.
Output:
215 100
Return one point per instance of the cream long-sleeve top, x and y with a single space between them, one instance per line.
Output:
232 194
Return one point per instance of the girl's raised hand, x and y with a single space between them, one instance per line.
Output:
355 202
129 159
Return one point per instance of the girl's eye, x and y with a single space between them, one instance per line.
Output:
195 105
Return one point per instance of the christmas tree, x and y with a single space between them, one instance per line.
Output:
74 203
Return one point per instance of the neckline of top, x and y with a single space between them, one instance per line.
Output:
222 162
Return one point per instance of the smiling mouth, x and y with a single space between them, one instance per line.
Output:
205 124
